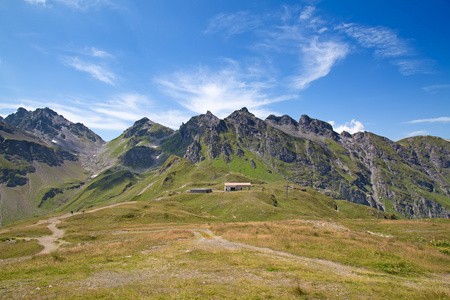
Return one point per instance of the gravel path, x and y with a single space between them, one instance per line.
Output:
52 242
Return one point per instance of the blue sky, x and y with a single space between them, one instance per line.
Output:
374 65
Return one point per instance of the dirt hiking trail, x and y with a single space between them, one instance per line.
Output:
52 242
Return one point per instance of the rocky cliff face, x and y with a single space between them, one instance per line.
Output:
55 130
411 177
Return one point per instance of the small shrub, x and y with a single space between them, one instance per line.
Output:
397 268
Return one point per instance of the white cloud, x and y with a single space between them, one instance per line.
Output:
82 5
232 24
435 120
318 59
307 13
8 106
352 127
36 2
128 107
170 118
89 118
111 117
94 70
220 92
386 43
385 40
122 110
85 4
413 66
302 34
434 89
98 53
417 133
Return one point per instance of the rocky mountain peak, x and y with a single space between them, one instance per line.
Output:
55 130
139 128
285 122
209 119
346 134
308 125
242 116
313 125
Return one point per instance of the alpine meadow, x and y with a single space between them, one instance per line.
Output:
203 149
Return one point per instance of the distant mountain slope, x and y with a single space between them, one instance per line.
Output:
410 178
54 129
362 168
139 147
34 178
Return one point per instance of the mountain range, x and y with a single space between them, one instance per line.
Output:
49 163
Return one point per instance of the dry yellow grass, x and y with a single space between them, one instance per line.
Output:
306 259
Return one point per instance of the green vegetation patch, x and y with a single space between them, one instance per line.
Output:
13 247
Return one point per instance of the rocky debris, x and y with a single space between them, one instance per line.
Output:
140 157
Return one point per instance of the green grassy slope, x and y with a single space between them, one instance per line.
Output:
103 189
169 185
46 188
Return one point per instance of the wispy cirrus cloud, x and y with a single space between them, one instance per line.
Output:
307 13
120 111
318 60
220 92
417 133
95 52
387 44
436 88
302 33
411 66
36 2
96 71
431 120
82 5
111 116
232 24
295 31
385 41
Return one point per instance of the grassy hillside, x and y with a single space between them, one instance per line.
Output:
103 189
45 189
229 246
265 201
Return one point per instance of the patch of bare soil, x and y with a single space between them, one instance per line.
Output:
52 242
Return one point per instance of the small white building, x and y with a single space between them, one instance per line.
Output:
236 186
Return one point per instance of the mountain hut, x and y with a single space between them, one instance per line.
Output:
238 186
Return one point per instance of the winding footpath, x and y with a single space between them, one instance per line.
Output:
52 242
